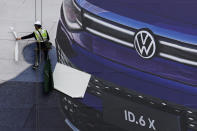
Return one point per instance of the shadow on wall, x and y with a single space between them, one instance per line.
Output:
23 106
30 75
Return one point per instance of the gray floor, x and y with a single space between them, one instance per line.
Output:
23 107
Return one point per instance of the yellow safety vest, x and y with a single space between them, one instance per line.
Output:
43 33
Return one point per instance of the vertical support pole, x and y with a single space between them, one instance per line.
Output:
41 24
41 11
35 10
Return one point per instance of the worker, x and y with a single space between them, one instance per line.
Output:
42 37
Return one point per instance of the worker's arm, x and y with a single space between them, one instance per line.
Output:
27 36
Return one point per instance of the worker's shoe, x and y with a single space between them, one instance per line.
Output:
34 67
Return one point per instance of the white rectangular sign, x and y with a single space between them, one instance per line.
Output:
70 81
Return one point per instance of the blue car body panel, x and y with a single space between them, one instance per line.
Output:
158 77
124 76
140 81
135 19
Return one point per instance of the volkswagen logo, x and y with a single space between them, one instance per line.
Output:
145 44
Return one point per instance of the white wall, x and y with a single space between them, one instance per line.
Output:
21 15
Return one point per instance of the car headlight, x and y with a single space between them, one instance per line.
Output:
72 14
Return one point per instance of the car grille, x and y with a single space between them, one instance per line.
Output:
167 48
98 86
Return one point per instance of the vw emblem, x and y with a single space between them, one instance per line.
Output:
145 44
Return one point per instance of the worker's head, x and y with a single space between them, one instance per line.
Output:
37 25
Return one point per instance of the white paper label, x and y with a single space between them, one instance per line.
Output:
70 81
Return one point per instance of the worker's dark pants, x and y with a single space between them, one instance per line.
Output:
40 46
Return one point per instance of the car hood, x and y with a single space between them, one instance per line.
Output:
176 15
178 10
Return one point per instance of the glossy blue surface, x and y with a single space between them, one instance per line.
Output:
173 19
129 57
158 77
133 79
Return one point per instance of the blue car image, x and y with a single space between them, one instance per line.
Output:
142 56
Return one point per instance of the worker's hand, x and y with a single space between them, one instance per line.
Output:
18 38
